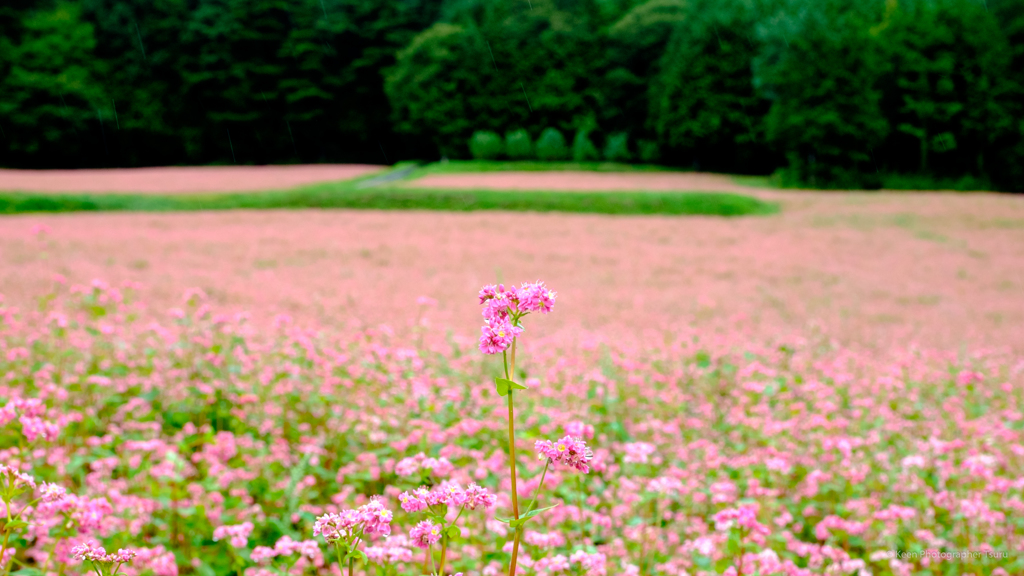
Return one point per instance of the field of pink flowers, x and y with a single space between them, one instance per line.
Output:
194 443
833 390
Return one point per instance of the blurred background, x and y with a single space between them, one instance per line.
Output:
822 93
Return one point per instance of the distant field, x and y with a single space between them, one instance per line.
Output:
940 269
368 187
179 180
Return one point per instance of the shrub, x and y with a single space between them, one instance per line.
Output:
616 149
485 145
649 151
583 150
518 145
551 145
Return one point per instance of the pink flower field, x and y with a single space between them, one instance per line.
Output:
178 180
836 389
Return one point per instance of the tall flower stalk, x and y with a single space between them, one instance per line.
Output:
504 309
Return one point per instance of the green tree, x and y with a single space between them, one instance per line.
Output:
1008 166
137 41
583 149
518 145
485 145
949 67
702 102
50 103
820 67
435 89
551 145
636 44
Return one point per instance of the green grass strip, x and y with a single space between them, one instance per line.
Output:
464 166
327 196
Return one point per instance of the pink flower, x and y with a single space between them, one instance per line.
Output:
337 526
579 430
569 451
479 497
392 551
503 307
86 552
261 554
424 534
414 501
238 534
99 554
497 335
376 518
590 563
536 298
637 452
51 493
745 517
371 518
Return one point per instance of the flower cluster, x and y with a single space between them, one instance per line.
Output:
448 494
579 562
503 307
286 546
391 551
237 533
439 467
30 413
16 477
51 493
98 554
371 518
569 451
425 534
744 517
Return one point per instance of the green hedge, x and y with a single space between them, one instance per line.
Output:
671 203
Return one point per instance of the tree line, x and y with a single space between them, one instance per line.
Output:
823 92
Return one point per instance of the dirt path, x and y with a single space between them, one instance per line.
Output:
179 180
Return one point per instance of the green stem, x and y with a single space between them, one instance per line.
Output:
579 486
512 465
541 487
337 550
444 553
3 549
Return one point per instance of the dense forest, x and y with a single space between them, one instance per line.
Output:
825 92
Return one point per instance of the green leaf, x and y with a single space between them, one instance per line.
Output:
15 525
358 554
503 386
533 513
27 572
454 532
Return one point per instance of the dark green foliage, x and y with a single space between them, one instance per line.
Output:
435 86
833 93
50 102
820 68
636 44
551 145
583 149
703 104
485 145
518 145
950 62
648 151
1007 165
616 148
